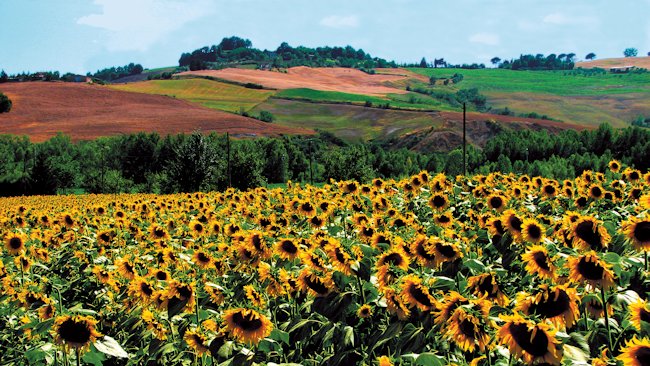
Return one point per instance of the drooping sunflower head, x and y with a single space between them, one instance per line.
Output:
637 231
140 288
416 294
75 331
589 234
538 262
590 270
557 304
317 285
534 343
445 251
394 257
636 352
486 286
639 312
445 309
468 329
247 325
513 223
423 252
197 342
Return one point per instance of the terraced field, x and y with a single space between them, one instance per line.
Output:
208 93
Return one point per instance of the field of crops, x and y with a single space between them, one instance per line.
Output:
208 93
429 270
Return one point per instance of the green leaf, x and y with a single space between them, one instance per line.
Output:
429 359
348 337
442 282
94 357
175 306
110 347
280 336
475 265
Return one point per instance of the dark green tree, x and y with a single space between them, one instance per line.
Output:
423 63
630 52
495 61
194 165
590 56
5 103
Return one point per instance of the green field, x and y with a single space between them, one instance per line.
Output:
409 101
587 100
211 94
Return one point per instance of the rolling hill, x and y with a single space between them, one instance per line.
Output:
642 62
82 111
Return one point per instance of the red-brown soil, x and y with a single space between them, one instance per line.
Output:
41 109
324 78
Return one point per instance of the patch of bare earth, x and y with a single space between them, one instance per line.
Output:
41 109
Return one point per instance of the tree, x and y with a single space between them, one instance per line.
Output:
590 56
3 77
5 103
630 52
423 63
193 165
495 60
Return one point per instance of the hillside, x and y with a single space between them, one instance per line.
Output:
88 111
642 62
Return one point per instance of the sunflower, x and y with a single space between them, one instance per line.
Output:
202 259
636 352
364 311
415 294
594 308
197 228
158 232
180 293
197 342
125 268
256 244
534 343
247 325
254 296
596 191
307 209
395 304
589 234
423 252
159 274
558 304
438 202
532 231
75 331
46 311
317 285
286 248
468 329
384 361
497 202
340 259
395 257
446 308
445 252
141 288
444 219
588 268
637 231
486 286
538 262
15 243
614 166
639 312
513 223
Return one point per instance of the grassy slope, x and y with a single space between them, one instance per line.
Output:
211 94
616 99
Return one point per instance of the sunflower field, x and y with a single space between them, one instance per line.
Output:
428 270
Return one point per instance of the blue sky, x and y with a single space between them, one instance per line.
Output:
86 35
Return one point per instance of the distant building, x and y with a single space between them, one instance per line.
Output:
621 69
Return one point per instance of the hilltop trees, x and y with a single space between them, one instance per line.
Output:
540 62
590 56
630 52
5 103
495 61
113 73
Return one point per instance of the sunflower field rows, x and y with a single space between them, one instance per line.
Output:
427 270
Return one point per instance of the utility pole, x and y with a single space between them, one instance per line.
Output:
464 139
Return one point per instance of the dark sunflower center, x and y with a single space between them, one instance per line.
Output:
289 247
446 250
534 232
203 258
198 227
394 258
74 332
365 312
498 225
596 192
642 231
590 270
317 285
15 243
549 189
307 207
444 219
551 306
419 295
264 222
496 202
185 292
316 221
159 233
146 289
536 346
399 223
541 260
351 187
105 237
582 201
467 328
339 255
486 286
515 223
439 201
68 220
247 323
161 276
644 315
422 252
367 231
587 232
642 355
634 176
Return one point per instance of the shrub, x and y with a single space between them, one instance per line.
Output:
266 116
5 103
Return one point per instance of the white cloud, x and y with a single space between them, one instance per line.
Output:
489 39
340 22
138 24
563 19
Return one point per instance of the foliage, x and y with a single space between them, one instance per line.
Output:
630 52
540 62
113 73
5 103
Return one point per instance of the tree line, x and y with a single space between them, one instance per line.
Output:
147 162
238 50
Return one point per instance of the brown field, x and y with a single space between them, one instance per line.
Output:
326 79
83 112
643 62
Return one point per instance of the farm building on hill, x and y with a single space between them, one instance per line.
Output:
621 69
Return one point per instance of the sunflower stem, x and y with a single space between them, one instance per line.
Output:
609 333
363 295
78 358
645 256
